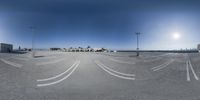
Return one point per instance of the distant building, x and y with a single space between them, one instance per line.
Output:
100 49
55 49
6 48
198 47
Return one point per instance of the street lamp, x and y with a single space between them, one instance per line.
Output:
33 40
138 33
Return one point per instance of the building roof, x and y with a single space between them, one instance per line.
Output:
5 44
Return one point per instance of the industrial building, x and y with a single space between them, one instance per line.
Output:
6 48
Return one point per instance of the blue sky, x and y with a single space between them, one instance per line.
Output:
104 23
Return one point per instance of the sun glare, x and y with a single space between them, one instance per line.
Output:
176 35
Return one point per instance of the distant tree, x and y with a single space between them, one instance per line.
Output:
79 49
88 47
65 49
103 49
71 49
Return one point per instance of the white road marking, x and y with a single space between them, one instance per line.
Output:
160 65
52 83
12 63
123 62
50 62
195 75
163 66
124 74
111 73
51 78
188 72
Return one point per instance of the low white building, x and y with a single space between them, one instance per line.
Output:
5 48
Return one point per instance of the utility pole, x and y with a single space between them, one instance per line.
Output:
138 33
33 41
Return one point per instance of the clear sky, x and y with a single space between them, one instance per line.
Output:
101 23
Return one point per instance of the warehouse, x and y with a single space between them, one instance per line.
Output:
6 48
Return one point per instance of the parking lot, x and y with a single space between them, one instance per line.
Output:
99 76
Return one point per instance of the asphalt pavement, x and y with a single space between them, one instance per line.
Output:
99 76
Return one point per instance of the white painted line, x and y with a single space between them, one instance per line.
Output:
52 83
123 62
12 63
188 72
50 62
195 75
160 65
163 66
122 77
51 78
124 74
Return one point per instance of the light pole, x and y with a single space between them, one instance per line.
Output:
33 40
138 33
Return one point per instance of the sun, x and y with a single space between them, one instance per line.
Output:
176 35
